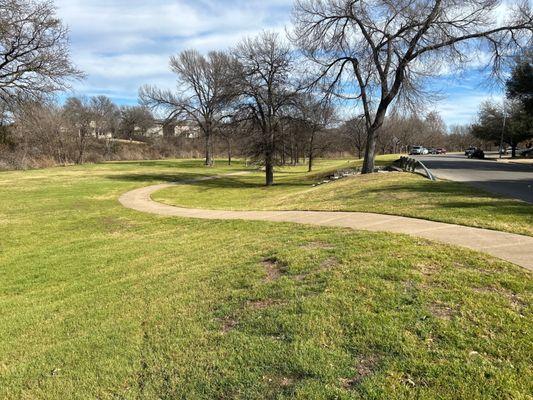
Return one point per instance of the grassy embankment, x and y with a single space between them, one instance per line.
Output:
97 301
397 194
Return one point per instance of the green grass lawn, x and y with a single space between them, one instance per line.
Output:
101 302
397 193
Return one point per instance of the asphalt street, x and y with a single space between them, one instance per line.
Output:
512 180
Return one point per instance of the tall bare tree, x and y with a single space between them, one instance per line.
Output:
5 121
229 130
78 114
355 132
316 116
204 92
135 120
266 88
34 50
105 114
40 132
384 49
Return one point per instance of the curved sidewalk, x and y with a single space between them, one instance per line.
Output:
510 247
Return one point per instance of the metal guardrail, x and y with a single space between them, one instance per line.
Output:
411 165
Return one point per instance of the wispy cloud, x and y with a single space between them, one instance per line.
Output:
123 44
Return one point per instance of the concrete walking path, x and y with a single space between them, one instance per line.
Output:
511 247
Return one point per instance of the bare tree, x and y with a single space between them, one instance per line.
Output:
105 116
229 130
5 122
135 120
266 91
460 138
355 131
78 114
316 117
34 50
40 131
384 49
204 92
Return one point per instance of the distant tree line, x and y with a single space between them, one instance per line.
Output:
271 99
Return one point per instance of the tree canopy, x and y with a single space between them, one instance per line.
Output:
34 51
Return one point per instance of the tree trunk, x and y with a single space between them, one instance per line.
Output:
229 151
208 149
370 152
269 170
311 155
269 154
81 148
372 135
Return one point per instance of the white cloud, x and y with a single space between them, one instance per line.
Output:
122 44
463 109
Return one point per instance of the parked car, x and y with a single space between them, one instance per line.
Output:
431 150
469 151
441 151
477 153
418 150
528 153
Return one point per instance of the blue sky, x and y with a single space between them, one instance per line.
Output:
122 44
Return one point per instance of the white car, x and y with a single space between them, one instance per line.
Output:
418 150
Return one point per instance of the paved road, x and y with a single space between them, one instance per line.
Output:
512 180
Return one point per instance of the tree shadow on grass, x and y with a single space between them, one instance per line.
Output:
510 208
244 183
176 164
479 198
156 177
189 178
444 188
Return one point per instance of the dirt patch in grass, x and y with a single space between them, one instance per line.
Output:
329 263
300 277
365 367
317 245
274 268
280 381
517 303
228 324
441 311
428 270
115 225
262 304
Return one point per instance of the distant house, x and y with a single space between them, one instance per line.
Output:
155 131
184 129
187 129
163 128
99 135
